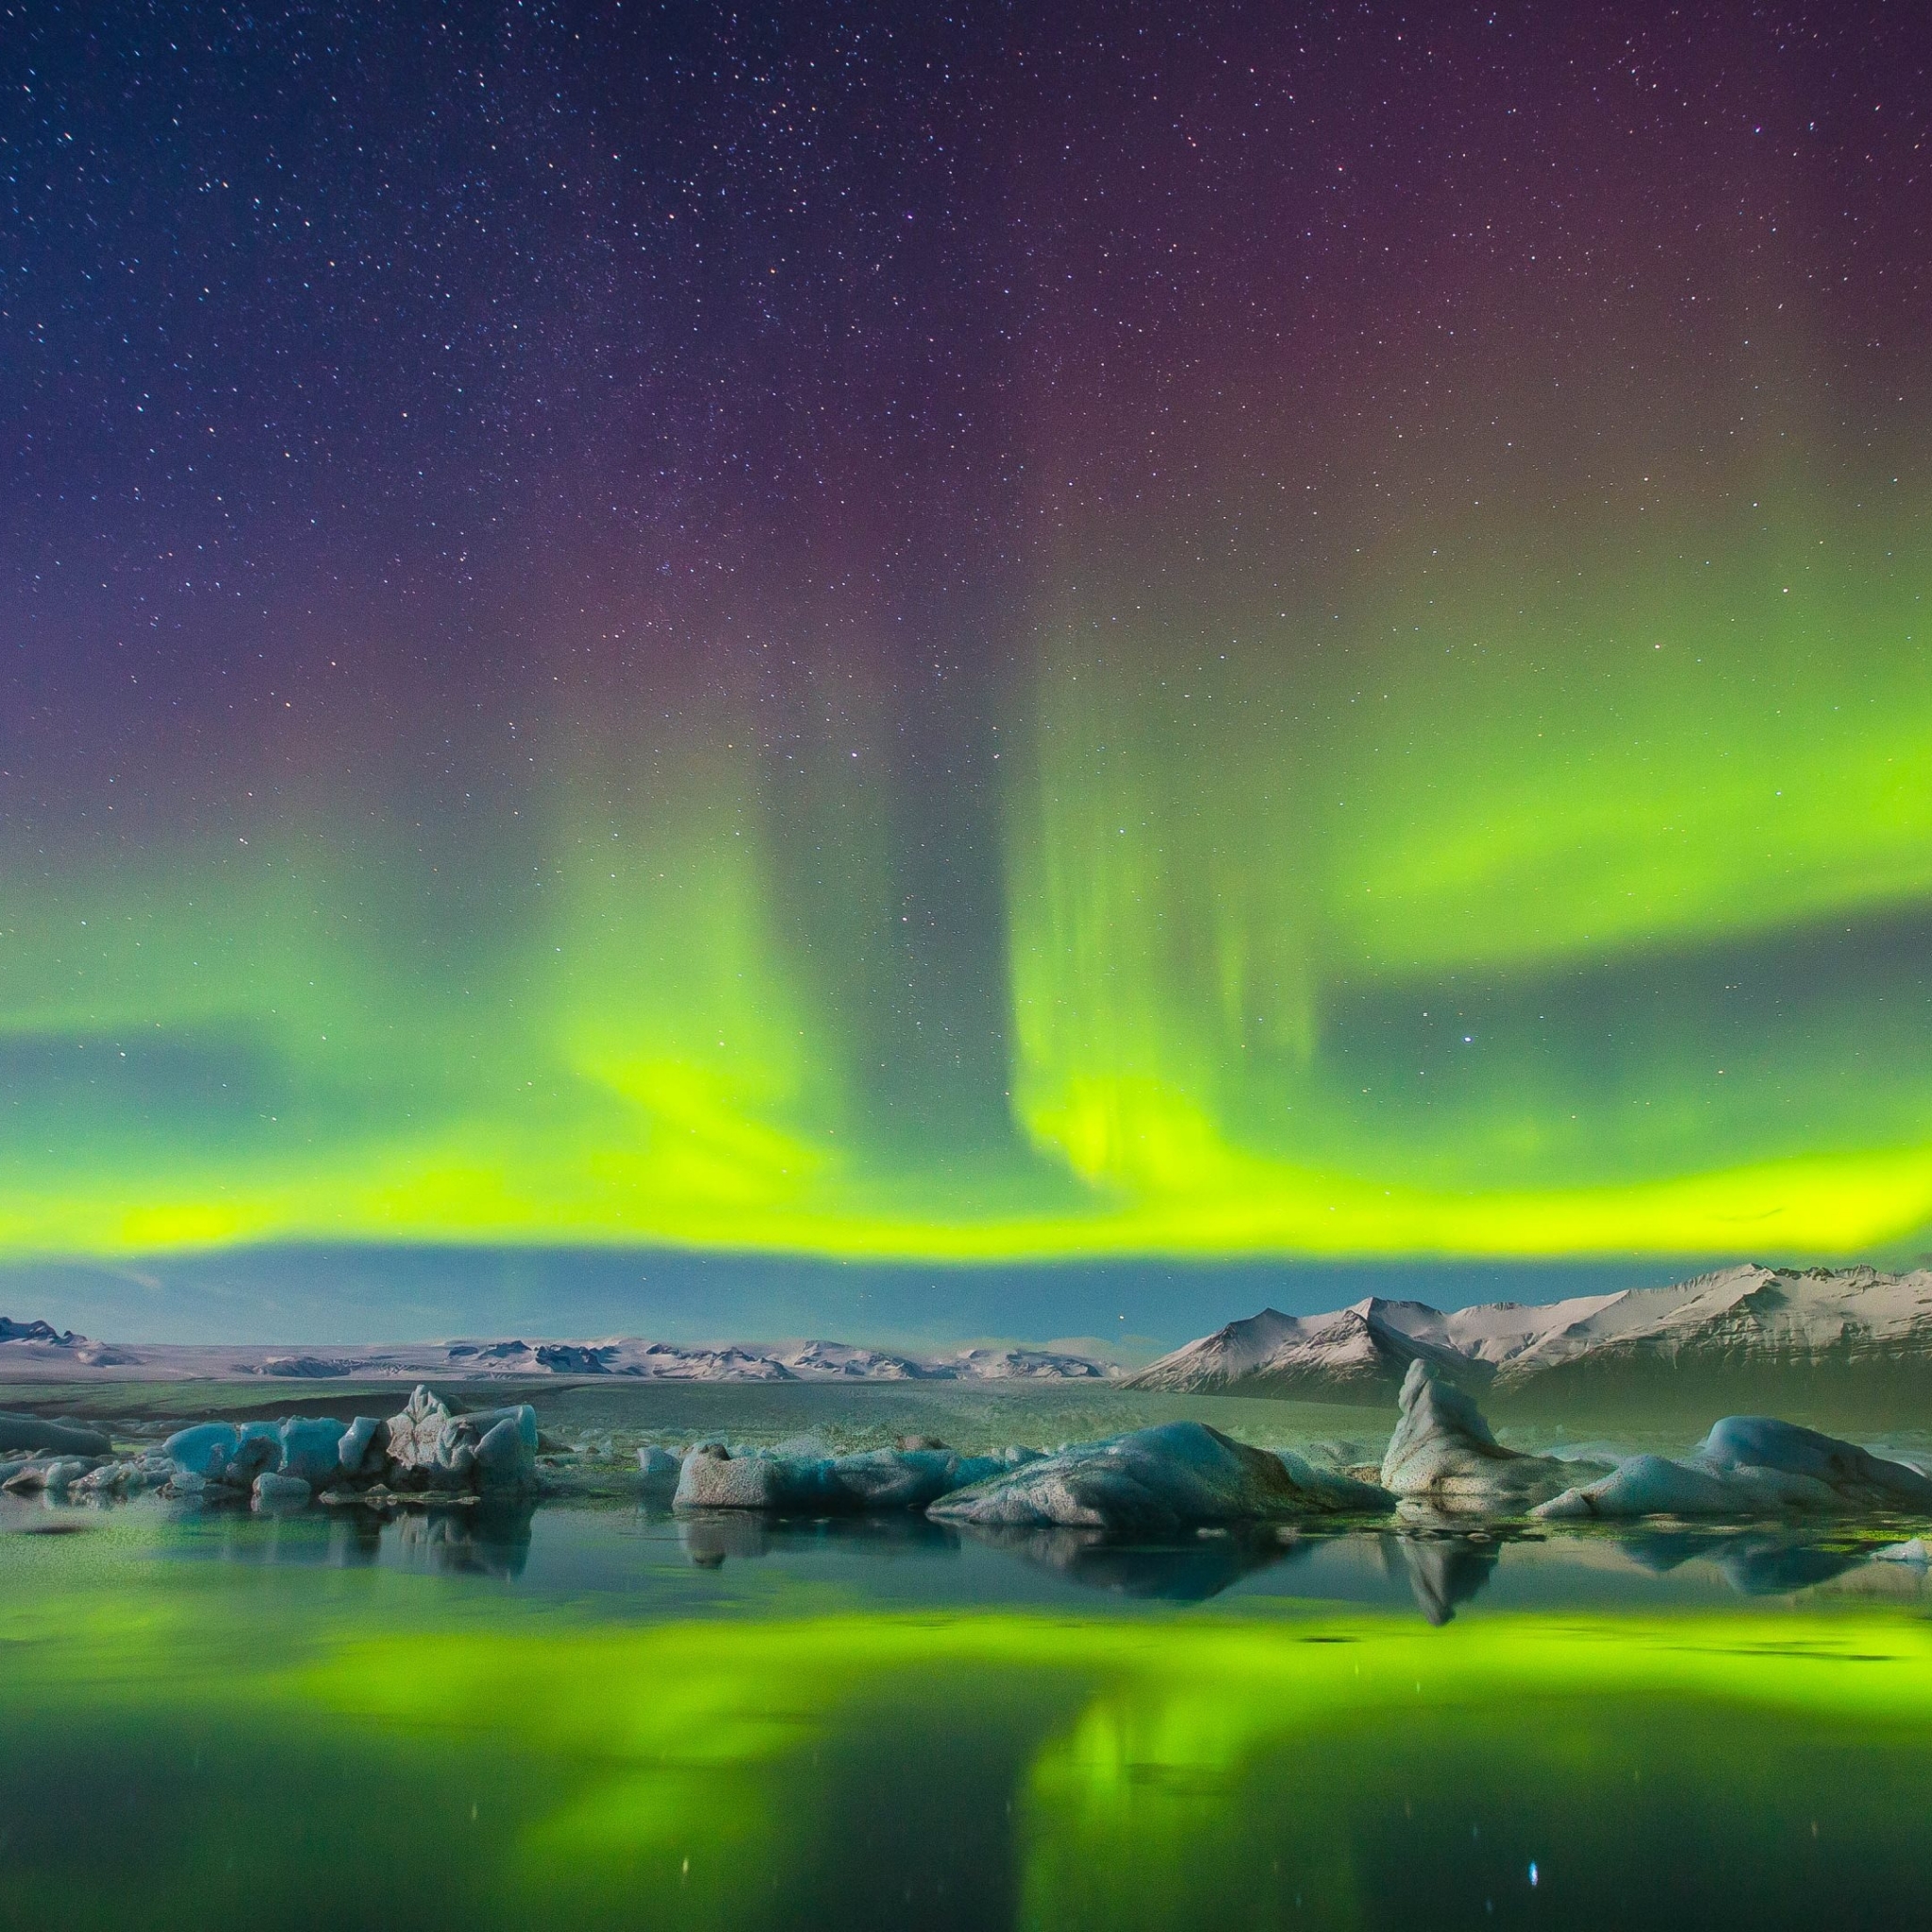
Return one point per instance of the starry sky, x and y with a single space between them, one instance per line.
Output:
966 635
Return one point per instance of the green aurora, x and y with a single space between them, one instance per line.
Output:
1571 901
1000 684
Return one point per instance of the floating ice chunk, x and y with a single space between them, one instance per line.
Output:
275 1490
521 1415
35 1433
258 1449
128 1476
1338 1492
906 1478
1646 1486
311 1449
202 1450
1750 1465
660 1471
713 1478
362 1450
53 1474
874 1480
65 1470
506 1449
1757 1446
432 1447
420 1440
1154 1482
1444 1455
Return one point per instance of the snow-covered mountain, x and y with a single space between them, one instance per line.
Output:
37 1331
36 1350
1742 1317
25 1345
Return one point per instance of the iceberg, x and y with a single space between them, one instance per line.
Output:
1442 1455
506 1449
432 1447
870 1480
713 1478
128 1476
202 1450
362 1450
52 1474
311 1450
1155 1482
427 1446
1749 1465
658 1472
33 1432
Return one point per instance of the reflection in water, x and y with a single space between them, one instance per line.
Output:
1441 1570
707 1537
473 1539
1029 1774
486 1540
355 1539
1755 1562
1190 1571
735 1761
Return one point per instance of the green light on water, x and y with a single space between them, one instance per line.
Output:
1135 1771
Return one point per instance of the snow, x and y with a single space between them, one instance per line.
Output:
1743 1314
37 1331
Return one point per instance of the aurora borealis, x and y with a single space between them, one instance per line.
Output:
883 633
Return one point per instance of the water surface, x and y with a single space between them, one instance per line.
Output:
592 1717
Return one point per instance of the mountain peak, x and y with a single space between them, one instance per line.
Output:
1747 1314
38 1331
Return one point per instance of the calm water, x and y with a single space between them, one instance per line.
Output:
593 1717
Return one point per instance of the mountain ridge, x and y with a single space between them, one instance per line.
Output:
1748 1315
38 1350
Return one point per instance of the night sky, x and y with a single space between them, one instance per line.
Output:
985 633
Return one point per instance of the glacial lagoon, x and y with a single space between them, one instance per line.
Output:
593 1714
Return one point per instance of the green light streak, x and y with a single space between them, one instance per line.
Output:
1434 941
1547 896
